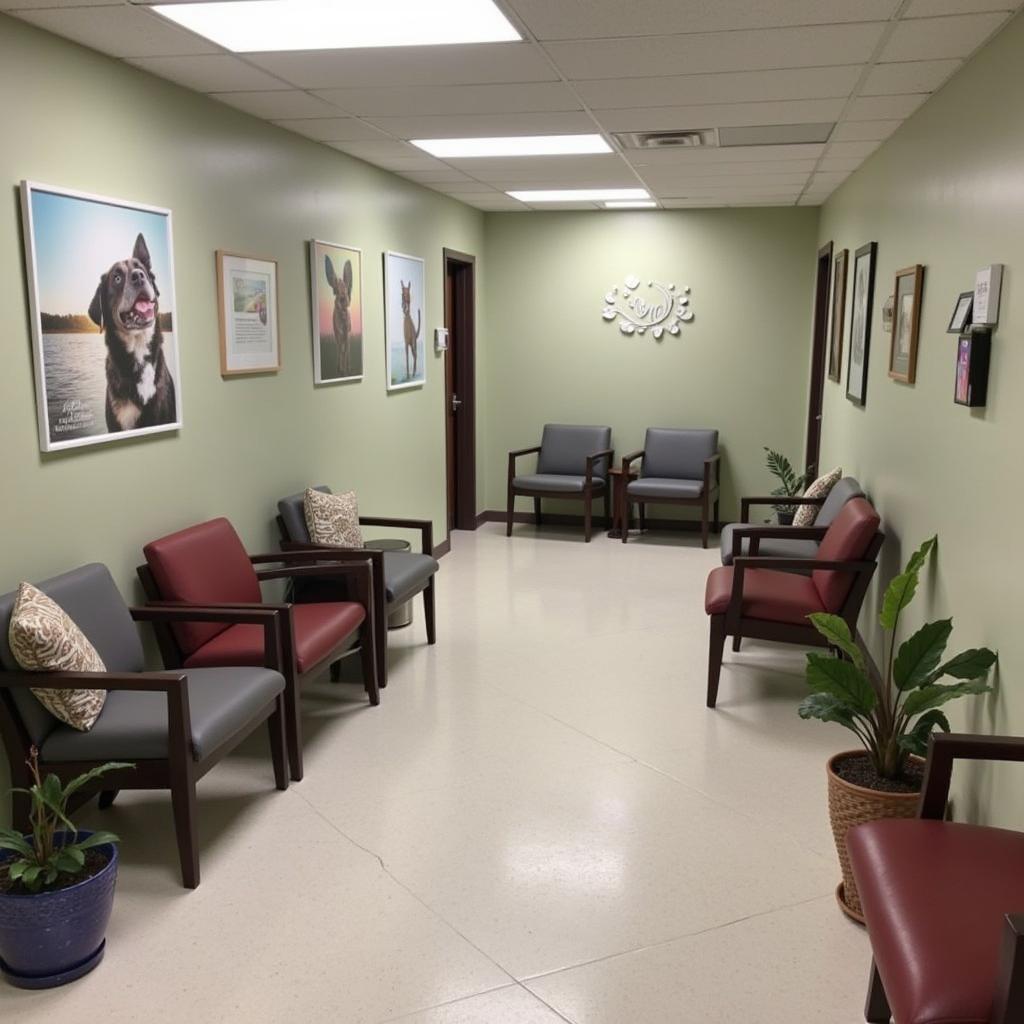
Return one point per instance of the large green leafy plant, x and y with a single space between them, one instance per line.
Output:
894 713
790 483
53 850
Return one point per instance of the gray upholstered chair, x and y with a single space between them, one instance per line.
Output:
678 467
770 541
398 576
572 462
173 726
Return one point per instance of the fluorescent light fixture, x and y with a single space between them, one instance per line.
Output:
514 145
631 204
246 26
578 195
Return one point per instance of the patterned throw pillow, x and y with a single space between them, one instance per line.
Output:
806 514
44 639
333 518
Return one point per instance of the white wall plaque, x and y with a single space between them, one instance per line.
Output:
987 285
654 307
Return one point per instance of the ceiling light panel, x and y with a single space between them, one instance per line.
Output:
578 195
514 145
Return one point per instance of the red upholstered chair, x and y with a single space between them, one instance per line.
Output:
944 904
208 565
769 598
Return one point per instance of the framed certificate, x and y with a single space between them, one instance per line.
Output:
247 302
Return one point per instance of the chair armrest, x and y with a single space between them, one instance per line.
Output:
775 499
512 456
142 681
314 564
605 453
755 534
1008 1005
425 526
716 461
944 749
631 457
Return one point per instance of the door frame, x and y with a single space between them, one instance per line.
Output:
460 319
819 352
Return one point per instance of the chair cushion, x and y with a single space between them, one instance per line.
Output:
807 515
847 539
654 487
292 511
319 628
677 454
133 726
205 564
770 547
406 573
934 895
564 449
767 594
843 491
556 483
333 518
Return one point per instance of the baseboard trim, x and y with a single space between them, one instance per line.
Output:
442 549
566 519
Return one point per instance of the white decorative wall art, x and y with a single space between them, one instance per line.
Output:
655 307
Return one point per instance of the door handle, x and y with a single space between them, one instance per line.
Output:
456 402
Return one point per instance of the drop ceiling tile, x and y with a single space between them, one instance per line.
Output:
908 76
662 182
332 129
210 72
719 115
496 203
120 31
748 167
939 38
461 187
815 46
811 201
745 193
724 154
34 5
840 163
727 87
826 178
474 64
881 108
857 150
447 126
411 101
441 176
622 179
853 131
931 8
486 168
278 104
603 18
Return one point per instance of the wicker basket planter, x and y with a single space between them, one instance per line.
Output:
850 805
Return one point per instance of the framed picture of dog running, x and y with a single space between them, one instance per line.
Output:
247 306
906 326
403 321
336 280
104 316
860 323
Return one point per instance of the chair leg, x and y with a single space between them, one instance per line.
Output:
715 649
608 506
736 641
380 642
536 511
336 671
508 511
877 1011
183 802
704 522
643 517
278 744
626 513
107 798
293 725
428 612
588 500
718 522
368 658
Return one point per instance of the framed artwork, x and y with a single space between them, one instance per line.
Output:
860 323
973 354
403 321
104 317
247 304
336 279
988 284
835 347
906 324
961 318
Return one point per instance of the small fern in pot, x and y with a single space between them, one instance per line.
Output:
790 484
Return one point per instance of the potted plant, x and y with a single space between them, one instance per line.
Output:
56 887
790 485
892 712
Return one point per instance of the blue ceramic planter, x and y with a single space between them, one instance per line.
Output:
52 938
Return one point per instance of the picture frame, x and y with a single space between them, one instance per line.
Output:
906 325
960 321
85 337
404 298
988 286
336 309
247 314
861 307
835 348
973 356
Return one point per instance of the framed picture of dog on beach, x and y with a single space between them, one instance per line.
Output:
403 321
336 279
104 317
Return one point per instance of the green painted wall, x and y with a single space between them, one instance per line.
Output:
946 191
740 365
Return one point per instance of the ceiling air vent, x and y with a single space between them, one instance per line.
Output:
690 139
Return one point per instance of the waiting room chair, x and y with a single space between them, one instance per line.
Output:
944 904
207 565
770 598
572 463
677 467
743 538
398 576
174 726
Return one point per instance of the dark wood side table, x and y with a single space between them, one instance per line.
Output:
619 483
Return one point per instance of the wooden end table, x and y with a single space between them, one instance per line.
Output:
620 481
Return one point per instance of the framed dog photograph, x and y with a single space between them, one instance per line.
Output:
104 317
336 280
835 346
247 304
403 321
906 326
860 323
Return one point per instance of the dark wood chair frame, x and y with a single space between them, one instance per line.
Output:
179 771
590 488
733 623
708 499
944 749
376 559
297 564
775 499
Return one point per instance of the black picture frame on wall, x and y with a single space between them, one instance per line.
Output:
861 310
960 321
973 355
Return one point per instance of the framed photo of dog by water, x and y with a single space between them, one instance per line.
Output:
860 323
336 279
247 303
403 321
906 325
104 316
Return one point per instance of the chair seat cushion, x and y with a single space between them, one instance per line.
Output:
318 629
406 573
654 487
556 483
774 547
767 594
133 726
934 895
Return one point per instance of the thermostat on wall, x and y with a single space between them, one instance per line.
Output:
440 339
